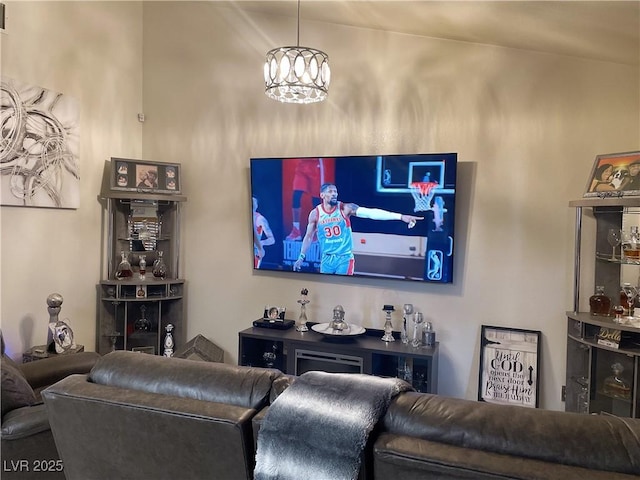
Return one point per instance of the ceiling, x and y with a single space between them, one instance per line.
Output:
600 30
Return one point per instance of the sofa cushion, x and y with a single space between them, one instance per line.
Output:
247 387
16 391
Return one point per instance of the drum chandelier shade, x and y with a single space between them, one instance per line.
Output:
297 74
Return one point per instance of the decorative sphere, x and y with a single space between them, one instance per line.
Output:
54 300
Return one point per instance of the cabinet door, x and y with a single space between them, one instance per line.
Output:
418 371
258 352
613 378
578 377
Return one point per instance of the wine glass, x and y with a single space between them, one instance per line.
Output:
631 293
614 237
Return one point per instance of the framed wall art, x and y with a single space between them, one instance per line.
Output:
39 156
614 175
509 366
144 176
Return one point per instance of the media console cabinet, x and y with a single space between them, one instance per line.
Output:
296 352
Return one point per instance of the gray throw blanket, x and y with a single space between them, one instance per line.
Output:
318 427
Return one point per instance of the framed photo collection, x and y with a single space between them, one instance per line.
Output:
144 176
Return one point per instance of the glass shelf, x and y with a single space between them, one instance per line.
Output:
606 257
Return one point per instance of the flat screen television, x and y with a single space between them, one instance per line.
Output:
363 222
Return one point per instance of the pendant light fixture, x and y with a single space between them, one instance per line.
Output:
297 74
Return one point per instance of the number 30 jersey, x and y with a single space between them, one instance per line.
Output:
334 231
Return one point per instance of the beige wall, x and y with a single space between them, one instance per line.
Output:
526 127
91 51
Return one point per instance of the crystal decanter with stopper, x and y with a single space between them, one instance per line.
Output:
301 324
142 324
615 385
142 272
123 271
599 303
159 267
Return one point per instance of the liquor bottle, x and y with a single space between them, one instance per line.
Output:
599 303
168 341
123 271
143 267
631 245
615 385
159 267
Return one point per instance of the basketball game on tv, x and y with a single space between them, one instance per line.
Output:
385 216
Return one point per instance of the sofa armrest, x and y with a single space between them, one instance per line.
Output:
24 421
48 371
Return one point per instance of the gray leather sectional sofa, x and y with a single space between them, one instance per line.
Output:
141 416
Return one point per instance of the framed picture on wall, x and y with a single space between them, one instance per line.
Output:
509 366
614 175
144 176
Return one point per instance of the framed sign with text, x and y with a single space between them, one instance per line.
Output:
144 176
509 366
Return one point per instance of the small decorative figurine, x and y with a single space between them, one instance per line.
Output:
168 341
338 325
388 326
301 325
61 333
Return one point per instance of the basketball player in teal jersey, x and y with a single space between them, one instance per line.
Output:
331 221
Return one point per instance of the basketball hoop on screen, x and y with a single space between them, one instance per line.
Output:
422 193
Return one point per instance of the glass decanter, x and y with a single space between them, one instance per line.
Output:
142 324
615 385
599 303
388 326
159 267
301 324
124 272
269 357
142 272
